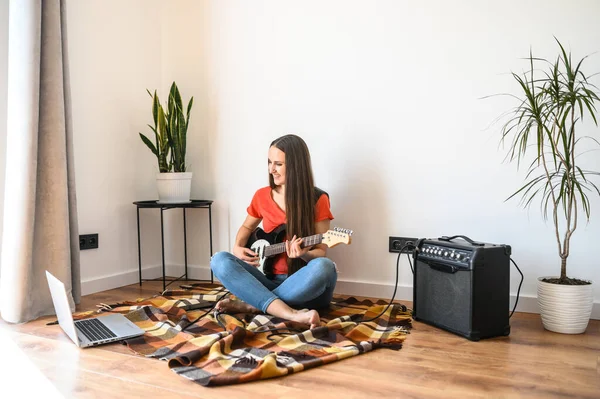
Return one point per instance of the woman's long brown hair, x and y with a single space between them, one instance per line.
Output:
299 191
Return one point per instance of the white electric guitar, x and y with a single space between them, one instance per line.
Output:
267 245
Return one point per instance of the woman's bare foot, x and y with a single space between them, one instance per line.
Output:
305 316
234 306
280 309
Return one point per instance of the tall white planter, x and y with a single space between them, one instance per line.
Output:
565 308
174 188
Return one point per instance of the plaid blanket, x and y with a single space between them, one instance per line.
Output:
219 349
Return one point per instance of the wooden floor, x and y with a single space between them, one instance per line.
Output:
531 362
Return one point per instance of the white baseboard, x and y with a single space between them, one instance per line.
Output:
131 276
527 304
372 290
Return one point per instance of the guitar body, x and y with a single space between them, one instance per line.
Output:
259 241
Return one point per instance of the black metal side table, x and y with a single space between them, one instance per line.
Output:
205 204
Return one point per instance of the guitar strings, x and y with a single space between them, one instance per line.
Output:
278 248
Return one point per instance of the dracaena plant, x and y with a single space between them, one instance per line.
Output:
170 131
546 124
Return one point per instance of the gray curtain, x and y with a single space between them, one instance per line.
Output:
40 208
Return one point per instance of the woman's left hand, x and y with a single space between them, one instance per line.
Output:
294 248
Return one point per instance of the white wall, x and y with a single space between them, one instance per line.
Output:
3 105
184 61
115 55
386 94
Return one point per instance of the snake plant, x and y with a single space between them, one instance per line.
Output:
170 131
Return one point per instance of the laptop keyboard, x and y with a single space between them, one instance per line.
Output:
94 329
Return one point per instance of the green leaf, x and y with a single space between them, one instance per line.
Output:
155 106
149 144
170 130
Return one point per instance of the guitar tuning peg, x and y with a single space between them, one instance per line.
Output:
342 230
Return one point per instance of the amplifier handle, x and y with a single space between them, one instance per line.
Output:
446 238
443 267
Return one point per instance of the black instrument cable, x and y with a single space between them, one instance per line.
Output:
217 317
410 244
209 310
518 290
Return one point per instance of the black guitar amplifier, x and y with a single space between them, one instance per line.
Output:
462 286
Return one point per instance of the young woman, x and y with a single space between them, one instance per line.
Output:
301 278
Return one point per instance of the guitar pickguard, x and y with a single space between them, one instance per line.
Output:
259 246
260 240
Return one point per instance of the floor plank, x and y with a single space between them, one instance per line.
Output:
433 363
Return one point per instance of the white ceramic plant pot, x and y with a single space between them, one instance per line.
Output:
565 308
174 188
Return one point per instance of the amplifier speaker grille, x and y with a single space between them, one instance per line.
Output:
470 297
443 297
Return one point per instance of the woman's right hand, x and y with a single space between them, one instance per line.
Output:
246 254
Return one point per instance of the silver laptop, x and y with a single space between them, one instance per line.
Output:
89 332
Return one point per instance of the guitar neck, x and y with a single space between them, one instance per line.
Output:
309 241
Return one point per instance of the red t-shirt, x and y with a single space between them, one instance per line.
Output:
264 207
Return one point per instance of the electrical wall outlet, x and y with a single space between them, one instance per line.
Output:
397 243
88 241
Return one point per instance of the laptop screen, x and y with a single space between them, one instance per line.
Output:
61 306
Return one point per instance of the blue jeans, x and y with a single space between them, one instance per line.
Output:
310 287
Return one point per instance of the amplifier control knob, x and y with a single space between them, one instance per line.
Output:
457 256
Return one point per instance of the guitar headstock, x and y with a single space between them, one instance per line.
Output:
337 236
